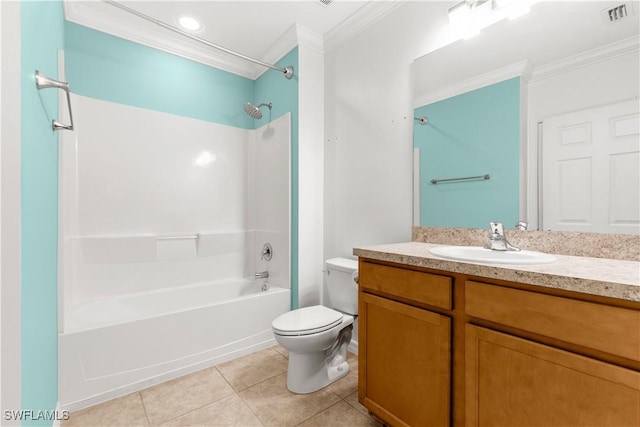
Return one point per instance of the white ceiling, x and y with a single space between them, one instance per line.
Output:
262 29
252 27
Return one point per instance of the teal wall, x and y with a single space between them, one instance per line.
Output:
42 34
102 66
113 69
273 87
474 133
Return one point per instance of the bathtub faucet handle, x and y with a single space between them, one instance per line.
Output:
267 252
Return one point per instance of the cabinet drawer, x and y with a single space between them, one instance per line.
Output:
613 330
426 288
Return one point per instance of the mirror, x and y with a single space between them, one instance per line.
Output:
484 100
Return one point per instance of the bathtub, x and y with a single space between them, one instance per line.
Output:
113 347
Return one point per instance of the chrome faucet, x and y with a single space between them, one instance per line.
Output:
262 275
497 239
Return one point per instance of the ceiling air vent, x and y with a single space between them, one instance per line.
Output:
617 13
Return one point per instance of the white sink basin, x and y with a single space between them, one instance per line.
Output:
480 254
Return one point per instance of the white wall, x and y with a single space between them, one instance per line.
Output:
310 167
10 379
369 128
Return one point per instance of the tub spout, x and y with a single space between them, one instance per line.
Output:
262 275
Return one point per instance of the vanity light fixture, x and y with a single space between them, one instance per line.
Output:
468 17
189 23
461 21
513 9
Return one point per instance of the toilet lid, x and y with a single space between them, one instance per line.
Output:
305 321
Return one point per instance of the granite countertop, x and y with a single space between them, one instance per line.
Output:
596 276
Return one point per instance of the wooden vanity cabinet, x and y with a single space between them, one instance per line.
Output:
511 381
404 349
506 354
516 382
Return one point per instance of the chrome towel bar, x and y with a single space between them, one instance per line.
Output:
44 82
466 178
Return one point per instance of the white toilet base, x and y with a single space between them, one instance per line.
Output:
310 372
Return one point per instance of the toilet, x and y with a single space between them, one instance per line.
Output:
317 337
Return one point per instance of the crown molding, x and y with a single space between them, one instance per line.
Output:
359 21
158 38
295 36
519 69
310 39
583 59
282 46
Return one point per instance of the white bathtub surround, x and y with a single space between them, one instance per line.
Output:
269 193
162 222
111 265
171 248
133 179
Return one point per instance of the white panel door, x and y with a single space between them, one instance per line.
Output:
590 164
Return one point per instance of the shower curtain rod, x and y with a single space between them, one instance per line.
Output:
288 71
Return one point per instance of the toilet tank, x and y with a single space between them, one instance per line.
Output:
342 285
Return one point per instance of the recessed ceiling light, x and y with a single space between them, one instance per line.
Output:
189 23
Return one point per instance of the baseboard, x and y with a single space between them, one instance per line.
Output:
131 388
353 347
60 415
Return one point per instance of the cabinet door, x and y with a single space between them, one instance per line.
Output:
514 382
405 362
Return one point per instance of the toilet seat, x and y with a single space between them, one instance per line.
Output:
306 321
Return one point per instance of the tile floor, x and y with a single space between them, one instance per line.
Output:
248 391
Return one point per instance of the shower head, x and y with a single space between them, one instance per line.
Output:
254 111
